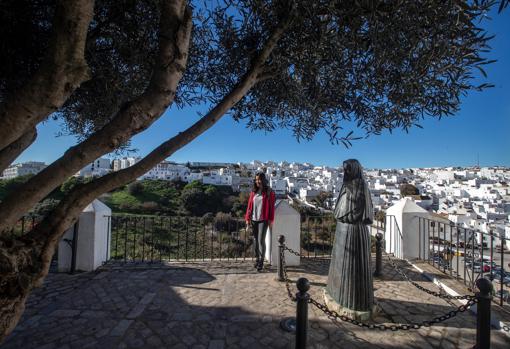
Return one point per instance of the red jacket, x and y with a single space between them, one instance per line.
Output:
267 213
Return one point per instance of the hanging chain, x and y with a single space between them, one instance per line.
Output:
426 290
285 248
285 276
315 260
334 316
405 276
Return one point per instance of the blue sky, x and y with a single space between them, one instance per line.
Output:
481 130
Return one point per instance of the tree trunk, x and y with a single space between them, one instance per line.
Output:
43 240
12 151
20 271
83 195
62 70
136 116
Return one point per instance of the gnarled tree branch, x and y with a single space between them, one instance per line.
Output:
62 70
38 246
52 227
11 152
136 116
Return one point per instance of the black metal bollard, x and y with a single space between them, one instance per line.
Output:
281 240
302 298
483 314
378 254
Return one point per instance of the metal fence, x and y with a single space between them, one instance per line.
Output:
467 254
25 224
393 236
150 238
317 235
464 253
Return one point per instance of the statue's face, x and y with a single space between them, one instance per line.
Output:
347 170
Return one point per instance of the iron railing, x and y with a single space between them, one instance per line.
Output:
318 235
393 236
466 254
150 238
25 224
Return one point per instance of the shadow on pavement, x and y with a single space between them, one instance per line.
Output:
198 305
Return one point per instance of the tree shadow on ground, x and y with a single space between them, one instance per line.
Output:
229 305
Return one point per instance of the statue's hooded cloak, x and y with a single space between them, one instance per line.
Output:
350 283
354 204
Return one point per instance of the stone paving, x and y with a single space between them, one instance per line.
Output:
222 305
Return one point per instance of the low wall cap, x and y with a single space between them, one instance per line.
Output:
98 206
405 205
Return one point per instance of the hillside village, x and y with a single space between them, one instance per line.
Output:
473 197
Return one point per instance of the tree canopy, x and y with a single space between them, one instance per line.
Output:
383 65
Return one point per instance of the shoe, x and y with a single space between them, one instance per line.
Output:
260 266
256 264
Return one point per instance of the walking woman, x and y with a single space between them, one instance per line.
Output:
260 214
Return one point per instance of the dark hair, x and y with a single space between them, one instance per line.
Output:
265 186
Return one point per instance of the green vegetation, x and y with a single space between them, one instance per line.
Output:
8 185
321 199
317 234
407 189
175 198
123 201
148 197
380 215
184 238
305 211
41 208
172 219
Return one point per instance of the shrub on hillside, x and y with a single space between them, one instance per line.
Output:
72 182
194 201
208 218
380 215
224 222
45 206
150 207
240 204
129 207
8 185
407 189
135 188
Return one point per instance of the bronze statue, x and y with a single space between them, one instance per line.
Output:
350 282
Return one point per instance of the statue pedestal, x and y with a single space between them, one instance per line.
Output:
353 314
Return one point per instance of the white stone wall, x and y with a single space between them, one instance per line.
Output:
287 223
93 240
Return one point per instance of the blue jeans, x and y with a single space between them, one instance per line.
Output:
259 229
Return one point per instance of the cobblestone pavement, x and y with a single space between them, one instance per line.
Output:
222 305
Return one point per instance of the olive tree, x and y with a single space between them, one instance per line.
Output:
109 69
